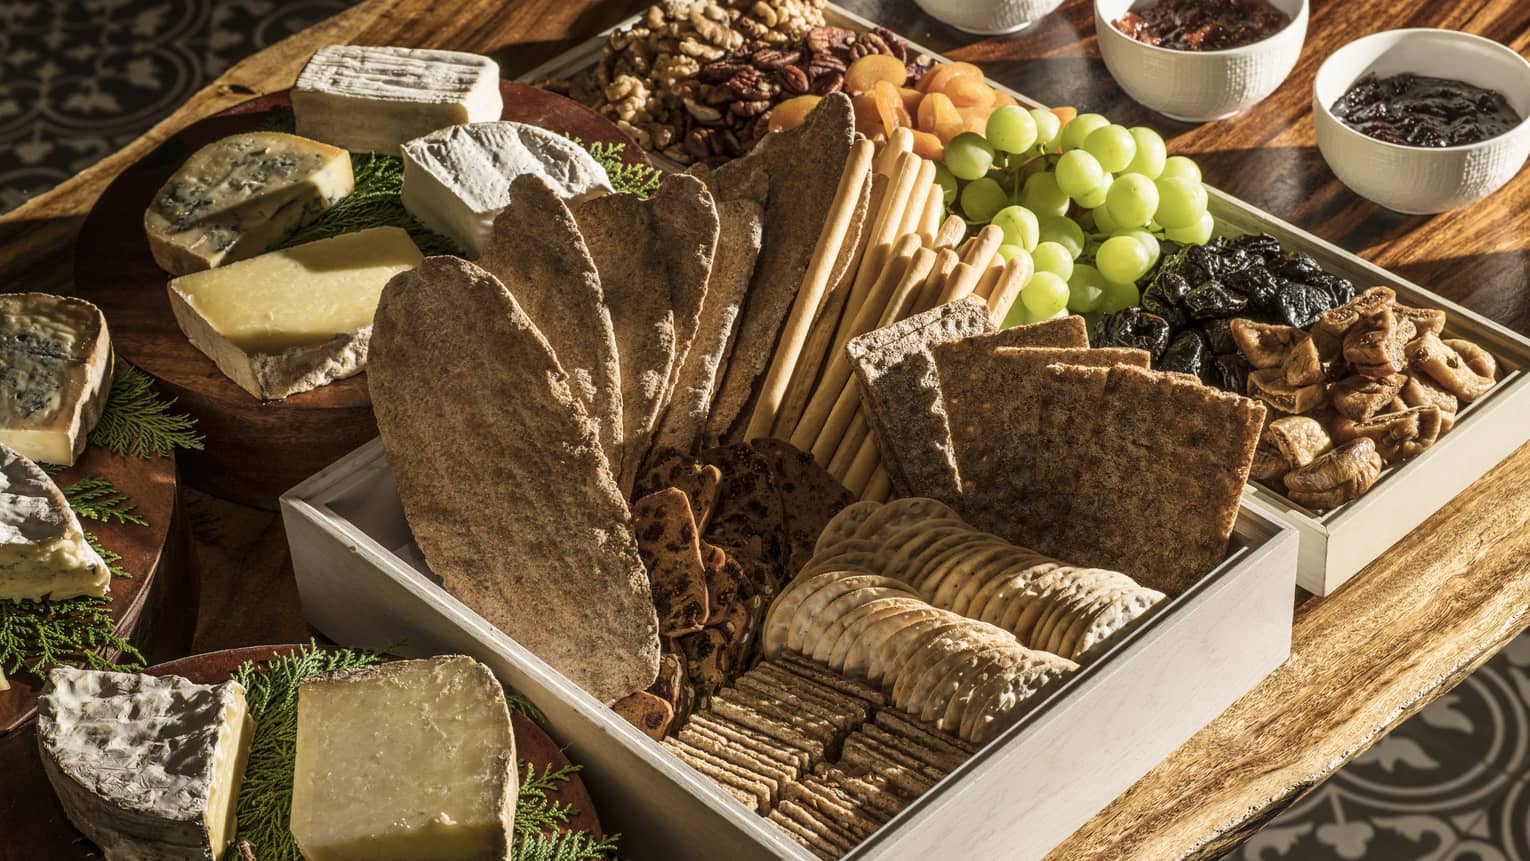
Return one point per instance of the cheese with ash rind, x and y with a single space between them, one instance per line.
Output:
374 99
43 551
295 319
147 767
55 374
458 179
242 196
406 761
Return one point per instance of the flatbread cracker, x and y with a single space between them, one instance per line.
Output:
666 536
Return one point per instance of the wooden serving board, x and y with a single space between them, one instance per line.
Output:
35 827
156 609
256 449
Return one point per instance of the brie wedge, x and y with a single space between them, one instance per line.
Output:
295 319
374 99
43 551
55 374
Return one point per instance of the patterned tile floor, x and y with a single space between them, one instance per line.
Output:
80 78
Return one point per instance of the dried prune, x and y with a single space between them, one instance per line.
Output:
1341 290
1213 299
1188 354
1258 285
1262 244
1230 371
1154 302
1172 287
1296 267
1219 335
1301 305
1134 327
1199 265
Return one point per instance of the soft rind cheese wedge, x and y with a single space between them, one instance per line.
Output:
55 374
375 99
407 761
147 767
458 179
43 551
295 319
242 196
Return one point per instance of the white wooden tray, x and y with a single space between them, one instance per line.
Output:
1336 544
1021 795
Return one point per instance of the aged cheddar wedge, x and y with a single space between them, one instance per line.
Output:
145 766
296 319
43 551
55 374
458 179
375 99
242 196
407 761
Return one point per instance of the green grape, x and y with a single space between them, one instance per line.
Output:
1198 233
1010 129
1122 259
947 183
1096 196
968 156
1078 173
1019 225
1113 146
1064 231
1009 251
1132 201
1181 202
1079 128
1045 295
1048 127
1086 287
1148 240
981 198
1180 166
1103 223
1151 153
1042 196
1016 316
1116 296
1052 257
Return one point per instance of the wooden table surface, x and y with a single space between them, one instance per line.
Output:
1402 633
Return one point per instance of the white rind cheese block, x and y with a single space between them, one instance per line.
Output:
407 761
458 179
55 374
43 551
242 196
375 99
295 319
147 767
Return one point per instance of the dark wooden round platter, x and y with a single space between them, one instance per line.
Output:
155 609
34 825
256 449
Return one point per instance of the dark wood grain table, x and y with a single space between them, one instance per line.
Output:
1403 632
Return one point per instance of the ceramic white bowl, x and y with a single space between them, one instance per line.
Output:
1422 180
988 17
1196 86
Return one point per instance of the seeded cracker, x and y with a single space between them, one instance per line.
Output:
667 540
748 520
531 532
672 468
810 497
648 713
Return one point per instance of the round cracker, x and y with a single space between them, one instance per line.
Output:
1065 637
1009 655
783 610
919 563
984 574
900 512
902 545
825 630
920 671
844 524
954 579
886 662
815 603
994 598
1017 689
858 621
860 555
1120 613
859 659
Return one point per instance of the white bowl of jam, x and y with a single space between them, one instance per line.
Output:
1200 60
1423 121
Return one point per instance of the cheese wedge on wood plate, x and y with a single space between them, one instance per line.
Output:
43 551
241 196
55 374
145 766
373 99
296 319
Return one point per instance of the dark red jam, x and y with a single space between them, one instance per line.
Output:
1203 25
1414 110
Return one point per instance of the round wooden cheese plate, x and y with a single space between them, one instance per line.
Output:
256 449
35 826
155 609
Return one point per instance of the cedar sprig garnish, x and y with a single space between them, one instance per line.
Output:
639 179
374 202
539 822
139 422
94 497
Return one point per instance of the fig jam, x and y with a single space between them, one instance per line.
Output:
1414 110
1203 25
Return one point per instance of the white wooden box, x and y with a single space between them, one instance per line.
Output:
1021 795
1336 544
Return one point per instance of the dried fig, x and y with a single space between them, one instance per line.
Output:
1420 391
1302 364
1299 439
1269 385
1338 321
1358 398
1264 345
1442 364
1398 436
1336 477
1423 319
1374 345
1478 359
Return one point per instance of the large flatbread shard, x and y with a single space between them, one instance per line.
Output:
738 245
536 252
810 497
654 257
503 479
900 394
804 165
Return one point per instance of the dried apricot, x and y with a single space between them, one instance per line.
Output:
890 107
790 113
927 145
864 73
975 119
1065 115
1001 98
939 117
969 93
911 99
867 120
934 81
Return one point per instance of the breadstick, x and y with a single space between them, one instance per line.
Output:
880 487
945 261
844 454
902 141
934 209
951 232
989 279
918 200
820 268
884 230
980 252
1016 272
959 284
867 460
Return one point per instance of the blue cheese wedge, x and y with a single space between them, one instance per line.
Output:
242 196
404 761
147 767
43 551
55 374
375 99
458 179
295 319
